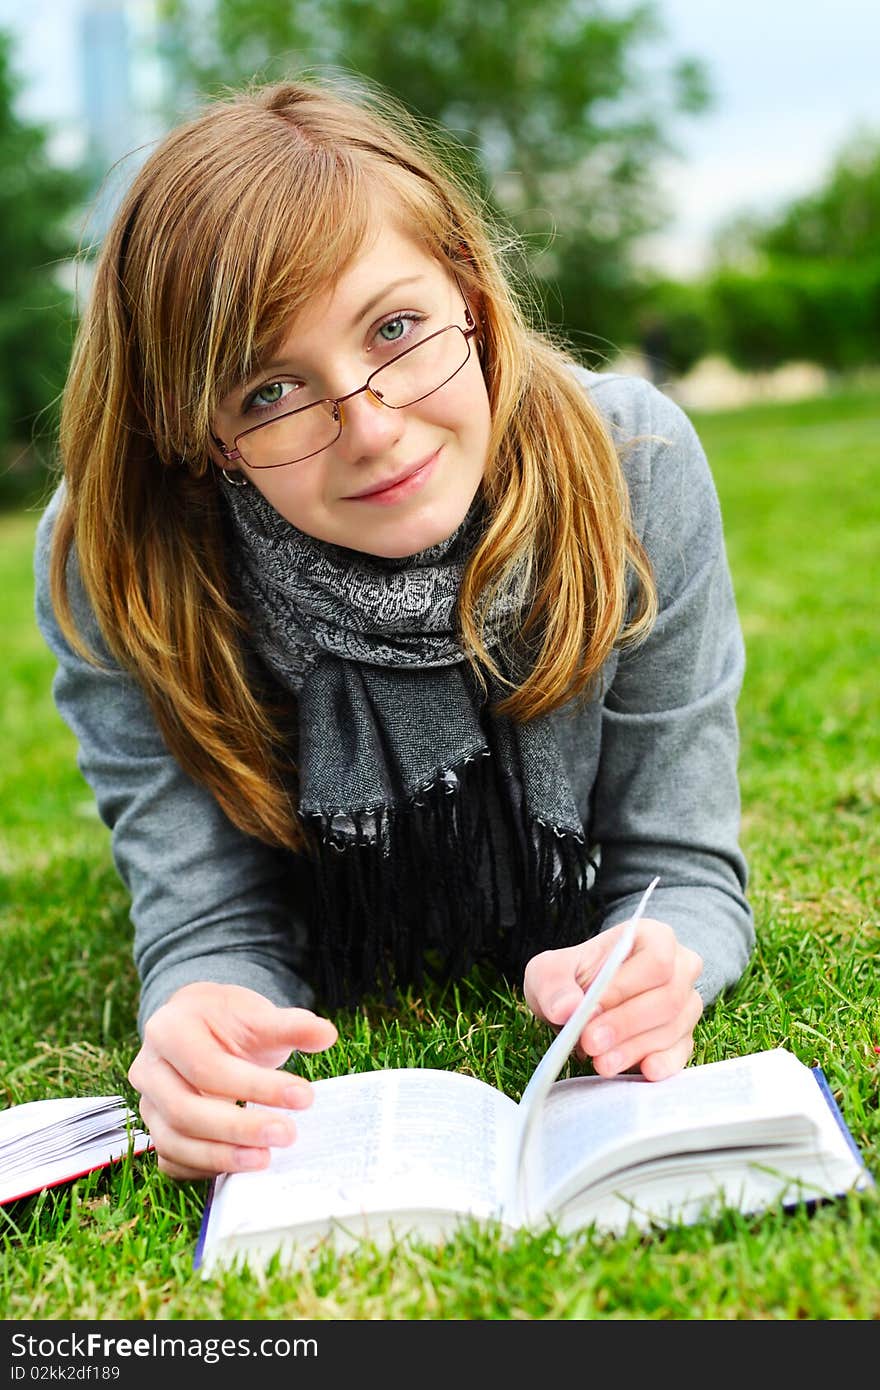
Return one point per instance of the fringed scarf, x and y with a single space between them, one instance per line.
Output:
440 834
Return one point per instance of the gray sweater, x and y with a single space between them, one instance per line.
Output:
652 764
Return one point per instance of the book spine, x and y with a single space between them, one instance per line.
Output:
822 1083
203 1229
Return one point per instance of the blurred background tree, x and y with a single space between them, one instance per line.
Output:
805 283
37 204
562 109
802 284
840 221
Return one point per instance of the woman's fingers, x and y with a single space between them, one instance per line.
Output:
218 1147
214 1073
239 1021
652 1017
650 965
673 1039
218 1074
207 1048
195 1134
656 1066
213 1117
550 982
648 1011
554 981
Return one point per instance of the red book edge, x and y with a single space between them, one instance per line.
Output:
138 1148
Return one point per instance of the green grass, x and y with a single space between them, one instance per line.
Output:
798 487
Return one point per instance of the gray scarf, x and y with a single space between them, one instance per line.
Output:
440 833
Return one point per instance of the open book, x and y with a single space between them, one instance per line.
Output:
46 1142
380 1155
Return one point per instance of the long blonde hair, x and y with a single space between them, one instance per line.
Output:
233 223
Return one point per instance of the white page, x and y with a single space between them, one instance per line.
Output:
535 1094
689 1187
34 1116
591 1124
56 1170
46 1142
62 1138
401 1139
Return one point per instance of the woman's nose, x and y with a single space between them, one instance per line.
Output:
368 426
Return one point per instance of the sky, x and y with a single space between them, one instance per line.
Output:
793 79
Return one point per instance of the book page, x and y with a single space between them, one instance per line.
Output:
531 1105
593 1126
397 1140
37 1116
46 1142
688 1187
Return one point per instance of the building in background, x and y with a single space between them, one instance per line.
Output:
105 87
91 73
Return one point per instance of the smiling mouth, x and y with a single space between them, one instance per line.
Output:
389 484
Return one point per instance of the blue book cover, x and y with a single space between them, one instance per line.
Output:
200 1243
822 1083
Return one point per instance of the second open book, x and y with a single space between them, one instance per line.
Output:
380 1155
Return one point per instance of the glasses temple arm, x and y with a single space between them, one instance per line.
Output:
230 455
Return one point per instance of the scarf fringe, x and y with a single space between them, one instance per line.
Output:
404 892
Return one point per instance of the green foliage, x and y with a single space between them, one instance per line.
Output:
817 311
838 222
675 324
797 489
555 104
36 311
812 311
803 285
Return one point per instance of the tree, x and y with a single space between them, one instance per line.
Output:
36 312
840 221
555 103
804 282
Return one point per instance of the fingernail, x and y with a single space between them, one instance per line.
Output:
561 1006
296 1096
251 1158
600 1039
276 1135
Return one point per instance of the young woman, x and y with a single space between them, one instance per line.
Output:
392 639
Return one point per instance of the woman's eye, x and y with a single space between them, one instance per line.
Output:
271 394
393 331
400 327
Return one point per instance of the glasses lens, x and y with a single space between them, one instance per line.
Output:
416 373
291 437
422 369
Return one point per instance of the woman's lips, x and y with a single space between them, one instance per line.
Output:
409 483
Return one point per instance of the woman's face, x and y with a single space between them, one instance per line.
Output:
392 295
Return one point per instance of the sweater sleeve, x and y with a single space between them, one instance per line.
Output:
208 903
666 798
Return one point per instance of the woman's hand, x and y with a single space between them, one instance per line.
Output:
208 1047
648 1012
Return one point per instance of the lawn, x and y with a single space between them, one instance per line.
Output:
798 486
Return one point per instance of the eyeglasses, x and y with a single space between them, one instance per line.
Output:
408 378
